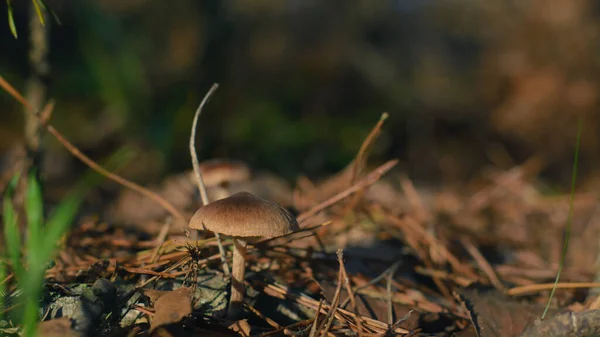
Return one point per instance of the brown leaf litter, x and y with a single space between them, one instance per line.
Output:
440 261
445 266
171 307
411 260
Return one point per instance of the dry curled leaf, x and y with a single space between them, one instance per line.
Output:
172 307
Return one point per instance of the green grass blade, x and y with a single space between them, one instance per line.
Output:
13 246
38 10
48 9
11 20
12 184
34 207
32 297
42 248
40 243
60 222
570 218
2 287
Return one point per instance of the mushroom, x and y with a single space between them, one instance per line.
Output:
222 172
219 174
244 217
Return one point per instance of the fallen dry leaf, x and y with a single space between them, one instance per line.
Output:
154 294
60 327
172 307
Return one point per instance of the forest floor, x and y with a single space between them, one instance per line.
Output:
375 255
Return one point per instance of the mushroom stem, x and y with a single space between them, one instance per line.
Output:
238 288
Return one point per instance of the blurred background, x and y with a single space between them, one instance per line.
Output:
467 84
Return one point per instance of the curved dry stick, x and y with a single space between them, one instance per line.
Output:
198 173
195 163
370 179
89 162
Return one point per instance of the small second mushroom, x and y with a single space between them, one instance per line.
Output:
243 216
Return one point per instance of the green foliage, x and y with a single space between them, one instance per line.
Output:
11 20
38 5
29 258
38 11
11 233
39 246
2 287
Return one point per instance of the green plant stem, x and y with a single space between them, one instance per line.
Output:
570 217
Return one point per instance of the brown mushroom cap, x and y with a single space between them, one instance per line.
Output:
220 171
244 215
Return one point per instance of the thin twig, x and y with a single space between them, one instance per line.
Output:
301 230
483 263
370 179
330 317
401 320
196 164
388 287
351 296
313 328
89 162
147 272
359 162
533 288
160 239
390 269
269 321
280 291
415 200
46 113
408 223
